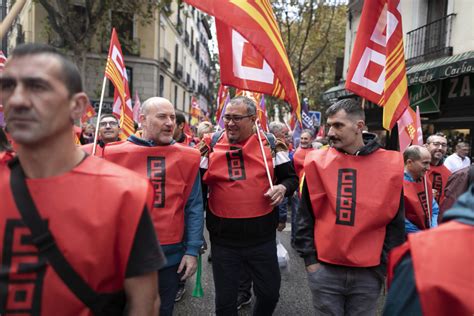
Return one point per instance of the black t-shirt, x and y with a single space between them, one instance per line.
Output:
146 255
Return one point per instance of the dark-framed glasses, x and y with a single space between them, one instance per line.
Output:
235 118
110 123
437 144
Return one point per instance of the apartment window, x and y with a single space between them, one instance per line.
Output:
162 86
175 96
124 25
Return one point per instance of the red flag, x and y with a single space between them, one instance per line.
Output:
116 72
377 69
407 131
136 108
3 60
251 48
88 113
195 112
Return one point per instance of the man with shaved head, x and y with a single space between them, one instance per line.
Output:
421 209
177 210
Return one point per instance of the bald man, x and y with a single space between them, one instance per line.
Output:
177 210
421 209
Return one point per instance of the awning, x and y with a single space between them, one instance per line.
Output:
441 68
335 93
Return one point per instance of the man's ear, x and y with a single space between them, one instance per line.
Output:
360 125
78 105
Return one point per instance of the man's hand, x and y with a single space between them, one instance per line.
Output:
277 194
313 267
281 226
189 265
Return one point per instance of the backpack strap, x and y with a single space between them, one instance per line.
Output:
43 239
215 138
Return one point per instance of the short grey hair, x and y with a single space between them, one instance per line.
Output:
249 103
204 128
275 127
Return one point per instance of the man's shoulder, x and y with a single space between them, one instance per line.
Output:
105 170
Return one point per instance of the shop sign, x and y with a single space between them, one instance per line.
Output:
425 96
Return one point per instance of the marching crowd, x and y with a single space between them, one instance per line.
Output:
120 231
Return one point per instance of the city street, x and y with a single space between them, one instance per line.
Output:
295 297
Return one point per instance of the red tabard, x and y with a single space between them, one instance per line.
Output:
438 176
172 170
93 215
353 198
99 151
298 159
237 178
416 204
443 264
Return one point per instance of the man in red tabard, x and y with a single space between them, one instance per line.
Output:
177 213
432 273
305 147
93 215
350 215
438 173
109 131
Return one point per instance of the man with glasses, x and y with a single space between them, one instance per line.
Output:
438 173
241 214
109 132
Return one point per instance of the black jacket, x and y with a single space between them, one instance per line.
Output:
304 242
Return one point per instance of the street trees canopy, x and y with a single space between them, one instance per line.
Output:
77 23
313 32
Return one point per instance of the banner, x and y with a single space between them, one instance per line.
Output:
377 69
251 52
116 72
88 113
3 60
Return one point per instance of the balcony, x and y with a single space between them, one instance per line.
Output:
430 41
178 71
130 46
165 57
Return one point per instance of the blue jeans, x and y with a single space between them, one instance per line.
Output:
261 262
168 280
339 290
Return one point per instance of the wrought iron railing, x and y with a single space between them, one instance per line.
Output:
430 41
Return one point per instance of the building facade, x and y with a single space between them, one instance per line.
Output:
168 56
439 53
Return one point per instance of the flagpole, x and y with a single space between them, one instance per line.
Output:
263 155
428 202
99 113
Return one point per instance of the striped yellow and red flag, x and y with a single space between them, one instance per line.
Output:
251 51
195 112
89 112
116 72
377 69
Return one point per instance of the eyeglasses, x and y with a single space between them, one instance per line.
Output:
436 144
111 124
235 118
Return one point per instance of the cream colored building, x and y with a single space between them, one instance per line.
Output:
168 57
439 52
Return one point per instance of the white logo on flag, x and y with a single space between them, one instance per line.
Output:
265 74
